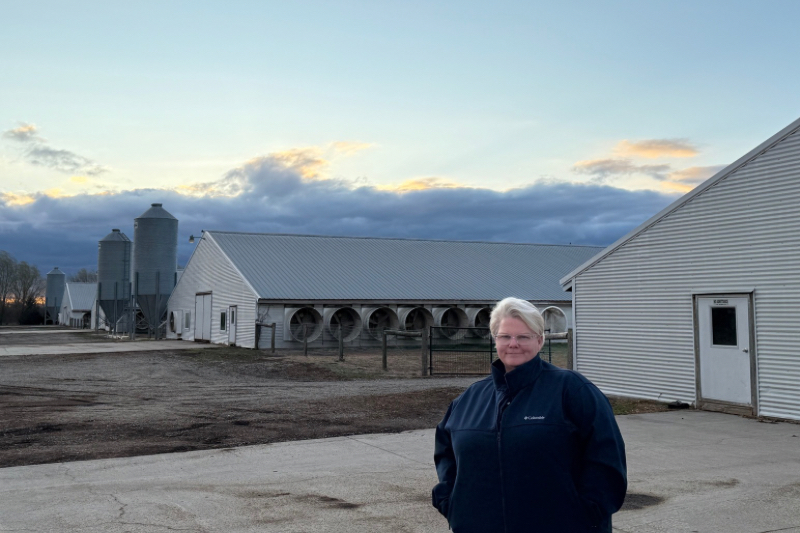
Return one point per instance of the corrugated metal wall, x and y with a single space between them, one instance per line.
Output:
267 314
210 271
634 330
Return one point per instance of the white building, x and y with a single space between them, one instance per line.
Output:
78 309
312 286
701 303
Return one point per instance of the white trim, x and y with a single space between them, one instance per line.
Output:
723 290
574 285
175 288
233 265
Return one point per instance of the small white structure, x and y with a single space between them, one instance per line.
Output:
316 287
78 309
701 303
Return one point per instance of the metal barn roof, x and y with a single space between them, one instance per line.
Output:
81 295
306 267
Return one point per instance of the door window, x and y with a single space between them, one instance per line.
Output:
723 326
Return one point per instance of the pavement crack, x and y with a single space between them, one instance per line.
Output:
389 451
122 506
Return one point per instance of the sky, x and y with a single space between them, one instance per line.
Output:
545 122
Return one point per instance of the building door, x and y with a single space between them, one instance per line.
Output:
725 359
232 319
202 317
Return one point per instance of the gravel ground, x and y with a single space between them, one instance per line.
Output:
56 408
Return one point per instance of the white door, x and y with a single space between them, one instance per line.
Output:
202 317
232 319
724 349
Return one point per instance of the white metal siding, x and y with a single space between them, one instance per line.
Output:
268 313
633 309
210 271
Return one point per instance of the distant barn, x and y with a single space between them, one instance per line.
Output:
77 305
701 303
321 287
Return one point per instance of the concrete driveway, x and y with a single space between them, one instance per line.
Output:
689 472
74 348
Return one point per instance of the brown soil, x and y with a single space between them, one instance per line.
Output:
77 407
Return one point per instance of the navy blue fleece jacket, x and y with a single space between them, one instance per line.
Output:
535 450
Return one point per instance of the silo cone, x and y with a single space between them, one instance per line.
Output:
155 262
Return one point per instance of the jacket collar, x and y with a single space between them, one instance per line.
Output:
516 380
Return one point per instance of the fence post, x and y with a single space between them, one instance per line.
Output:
341 343
424 352
305 340
570 356
272 338
383 348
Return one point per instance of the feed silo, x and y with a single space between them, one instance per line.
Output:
114 275
155 262
53 294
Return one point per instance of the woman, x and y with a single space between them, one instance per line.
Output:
531 448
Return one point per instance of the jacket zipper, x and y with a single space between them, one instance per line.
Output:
503 406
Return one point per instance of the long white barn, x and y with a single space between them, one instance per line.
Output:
701 303
310 286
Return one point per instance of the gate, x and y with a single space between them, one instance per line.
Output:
468 350
460 350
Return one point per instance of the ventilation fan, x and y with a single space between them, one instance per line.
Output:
451 322
304 323
416 320
482 321
345 320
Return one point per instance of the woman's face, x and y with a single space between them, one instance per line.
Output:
516 343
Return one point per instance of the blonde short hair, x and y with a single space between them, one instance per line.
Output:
516 308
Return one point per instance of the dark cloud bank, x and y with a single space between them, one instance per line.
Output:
270 197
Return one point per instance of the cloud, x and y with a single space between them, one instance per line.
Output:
350 147
63 161
40 154
688 178
272 194
695 175
13 199
656 148
24 133
421 184
602 169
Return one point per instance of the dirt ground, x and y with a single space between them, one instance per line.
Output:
91 406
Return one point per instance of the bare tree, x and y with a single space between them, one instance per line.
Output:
8 268
84 276
27 287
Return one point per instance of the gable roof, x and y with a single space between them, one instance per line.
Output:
310 267
566 281
81 295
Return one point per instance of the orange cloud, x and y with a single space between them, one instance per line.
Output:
25 133
421 184
686 179
350 147
656 148
10 198
308 162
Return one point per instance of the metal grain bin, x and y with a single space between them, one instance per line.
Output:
54 293
155 261
114 274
